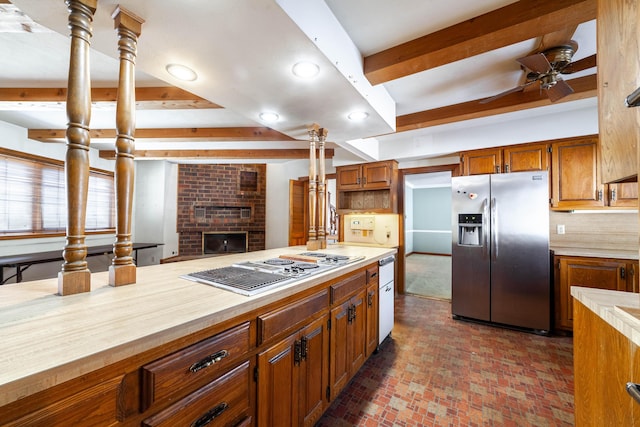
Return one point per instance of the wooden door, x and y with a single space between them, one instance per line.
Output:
479 162
314 371
376 175
523 158
372 318
599 273
339 363
624 194
278 384
576 175
298 208
348 177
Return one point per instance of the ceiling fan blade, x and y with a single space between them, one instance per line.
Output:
581 64
559 90
537 63
506 92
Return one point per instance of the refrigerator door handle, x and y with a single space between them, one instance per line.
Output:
494 229
485 228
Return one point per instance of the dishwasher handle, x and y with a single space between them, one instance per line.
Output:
387 260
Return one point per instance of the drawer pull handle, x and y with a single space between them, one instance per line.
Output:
374 274
209 360
210 416
634 391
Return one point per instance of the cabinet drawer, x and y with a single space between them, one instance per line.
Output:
372 275
279 321
194 365
346 287
222 402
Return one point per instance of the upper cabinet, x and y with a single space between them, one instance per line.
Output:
517 158
618 75
368 187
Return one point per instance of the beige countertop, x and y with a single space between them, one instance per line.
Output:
48 339
596 253
618 309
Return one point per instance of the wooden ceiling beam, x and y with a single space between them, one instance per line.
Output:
519 21
200 134
584 87
147 98
220 154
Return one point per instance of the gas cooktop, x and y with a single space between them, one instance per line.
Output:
253 277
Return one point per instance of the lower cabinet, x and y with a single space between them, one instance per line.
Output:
604 361
602 273
372 318
293 377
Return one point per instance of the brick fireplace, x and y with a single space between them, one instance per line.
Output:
220 199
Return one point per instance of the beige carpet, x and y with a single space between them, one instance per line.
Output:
428 276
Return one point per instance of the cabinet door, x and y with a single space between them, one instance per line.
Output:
278 384
576 174
632 277
376 175
314 371
523 158
623 194
479 162
618 74
372 318
588 272
357 339
348 177
339 360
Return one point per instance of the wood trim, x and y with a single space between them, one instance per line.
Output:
147 98
584 87
511 24
221 154
202 134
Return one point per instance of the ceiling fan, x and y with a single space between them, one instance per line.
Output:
546 67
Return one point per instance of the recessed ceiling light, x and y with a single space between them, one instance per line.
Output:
269 117
358 115
181 72
305 69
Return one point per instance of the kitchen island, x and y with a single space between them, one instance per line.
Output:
108 355
606 356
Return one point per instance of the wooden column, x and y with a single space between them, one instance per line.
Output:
75 277
312 243
123 270
322 195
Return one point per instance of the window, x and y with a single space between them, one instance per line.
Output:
33 198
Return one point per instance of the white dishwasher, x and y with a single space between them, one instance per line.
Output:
386 272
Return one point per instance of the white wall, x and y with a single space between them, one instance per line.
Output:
408 220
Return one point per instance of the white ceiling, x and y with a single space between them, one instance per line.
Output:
243 51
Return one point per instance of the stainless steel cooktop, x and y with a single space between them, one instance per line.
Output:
253 277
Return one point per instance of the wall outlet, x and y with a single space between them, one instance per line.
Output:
560 228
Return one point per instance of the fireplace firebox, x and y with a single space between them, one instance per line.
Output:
224 242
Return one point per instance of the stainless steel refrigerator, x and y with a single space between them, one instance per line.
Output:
500 249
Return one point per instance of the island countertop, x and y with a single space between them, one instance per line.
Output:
48 339
619 309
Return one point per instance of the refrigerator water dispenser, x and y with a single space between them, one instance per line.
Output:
470 229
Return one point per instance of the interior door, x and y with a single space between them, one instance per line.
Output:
298 208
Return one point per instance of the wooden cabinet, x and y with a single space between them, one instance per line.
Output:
618 45
370 187
373 289
293 377
577 183
516 158
601 273
604 361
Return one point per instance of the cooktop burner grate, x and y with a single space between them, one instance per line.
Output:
238 278
306 265
314 254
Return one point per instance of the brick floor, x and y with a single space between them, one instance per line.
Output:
436 371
